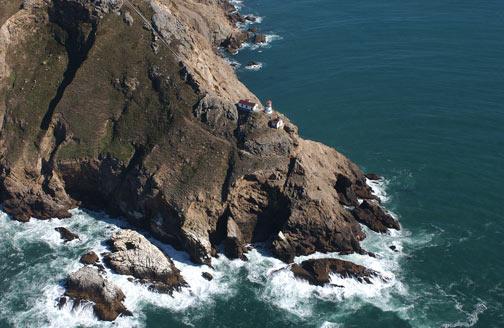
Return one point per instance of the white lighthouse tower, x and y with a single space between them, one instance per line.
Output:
269 107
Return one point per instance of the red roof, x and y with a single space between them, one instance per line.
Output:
247 102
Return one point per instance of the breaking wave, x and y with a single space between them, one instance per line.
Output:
30 297
31 294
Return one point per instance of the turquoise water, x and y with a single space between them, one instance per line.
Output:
411 90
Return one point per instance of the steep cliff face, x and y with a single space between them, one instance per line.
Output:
127 107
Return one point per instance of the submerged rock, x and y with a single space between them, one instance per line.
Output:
132 254
66 234
373 176
62 301
317 271
88 284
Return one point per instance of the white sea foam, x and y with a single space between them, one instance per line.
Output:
247 23
40 285
256 46
233 63
258 19
275 283
269 39
236 3
282 289
254 67
472 317
379 188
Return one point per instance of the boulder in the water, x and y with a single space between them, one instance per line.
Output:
208 276
317 271
88 284
66 234
132 254
373 176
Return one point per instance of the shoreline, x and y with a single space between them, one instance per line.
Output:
269 182
272 277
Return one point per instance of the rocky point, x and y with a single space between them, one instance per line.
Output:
129 108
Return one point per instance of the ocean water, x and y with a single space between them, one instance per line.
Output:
412 90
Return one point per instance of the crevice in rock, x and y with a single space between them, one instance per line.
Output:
290 169
60 135
229 176
218 236
77 45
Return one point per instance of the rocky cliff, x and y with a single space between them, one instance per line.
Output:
127 107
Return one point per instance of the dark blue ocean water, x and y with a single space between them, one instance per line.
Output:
412 90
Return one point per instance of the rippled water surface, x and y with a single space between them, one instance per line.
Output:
413 90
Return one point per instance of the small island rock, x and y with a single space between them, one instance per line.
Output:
88 284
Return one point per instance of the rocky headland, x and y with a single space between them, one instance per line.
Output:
128 107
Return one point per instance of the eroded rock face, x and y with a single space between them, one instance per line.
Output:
132 254
88 284
373 216
141 121
317 271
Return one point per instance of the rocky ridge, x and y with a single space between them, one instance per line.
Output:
127 107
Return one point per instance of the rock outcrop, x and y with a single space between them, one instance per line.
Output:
89 285
318 271
137 117
373 216
89 258
66 234
132 254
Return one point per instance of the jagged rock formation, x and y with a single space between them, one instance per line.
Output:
372 215
132 254
89 285
317 271
137 117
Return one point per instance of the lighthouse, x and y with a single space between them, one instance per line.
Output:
269 107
